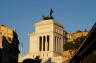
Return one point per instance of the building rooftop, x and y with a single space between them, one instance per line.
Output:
49 21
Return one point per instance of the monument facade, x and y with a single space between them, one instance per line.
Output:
47 41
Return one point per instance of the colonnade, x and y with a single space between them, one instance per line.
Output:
44 43
58 44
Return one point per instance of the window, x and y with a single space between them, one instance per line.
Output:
44 39
40 43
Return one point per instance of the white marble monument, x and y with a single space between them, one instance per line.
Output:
47 41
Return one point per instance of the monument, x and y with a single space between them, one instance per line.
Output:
47 41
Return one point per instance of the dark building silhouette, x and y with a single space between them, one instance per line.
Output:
86 53
10 47
29 60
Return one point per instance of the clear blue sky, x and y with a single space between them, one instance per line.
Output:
22 14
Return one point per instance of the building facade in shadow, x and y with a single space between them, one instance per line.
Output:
9 44
86 53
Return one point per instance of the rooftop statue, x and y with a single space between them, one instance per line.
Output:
48 17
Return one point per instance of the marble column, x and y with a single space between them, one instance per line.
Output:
56 44
60 44
46 44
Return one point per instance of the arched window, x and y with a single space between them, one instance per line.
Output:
44 39
40 43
